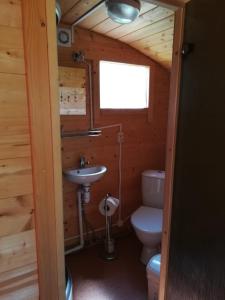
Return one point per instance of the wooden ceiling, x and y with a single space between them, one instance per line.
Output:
151 33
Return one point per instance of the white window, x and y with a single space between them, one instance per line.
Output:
124 86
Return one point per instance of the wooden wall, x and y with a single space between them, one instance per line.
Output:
18 270
144 133
197 246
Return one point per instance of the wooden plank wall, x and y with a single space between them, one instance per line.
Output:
18 269
144 133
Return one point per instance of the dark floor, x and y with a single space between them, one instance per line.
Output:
121 279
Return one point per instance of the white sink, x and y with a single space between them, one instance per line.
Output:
85 175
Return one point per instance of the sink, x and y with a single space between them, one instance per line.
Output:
85 175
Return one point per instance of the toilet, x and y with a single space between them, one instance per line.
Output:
153 273
147 219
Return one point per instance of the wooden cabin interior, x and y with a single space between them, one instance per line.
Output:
92 108
146 42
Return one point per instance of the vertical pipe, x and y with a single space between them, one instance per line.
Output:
90 95
81 229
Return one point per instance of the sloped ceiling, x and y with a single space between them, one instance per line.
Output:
151 33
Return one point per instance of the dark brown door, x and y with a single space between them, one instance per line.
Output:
197 247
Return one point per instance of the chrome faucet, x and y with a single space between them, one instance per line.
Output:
83 162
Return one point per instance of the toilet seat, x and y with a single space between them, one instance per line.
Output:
148 219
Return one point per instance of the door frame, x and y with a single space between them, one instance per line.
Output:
41 63
42 82
179 8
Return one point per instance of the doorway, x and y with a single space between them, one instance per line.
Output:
42 211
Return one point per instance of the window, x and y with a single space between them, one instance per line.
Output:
123 86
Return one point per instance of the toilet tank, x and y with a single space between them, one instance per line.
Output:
153 188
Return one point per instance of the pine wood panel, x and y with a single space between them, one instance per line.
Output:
153 23
17 236
72 77
13 100
15 177
15 150
97 46
10 13
139 153
20 283
146 19
78 10
149 30
107 25
161 52
11 60
11 37
14 111
98 17
16 214
155 39
24 289
18 277
17 250
67 5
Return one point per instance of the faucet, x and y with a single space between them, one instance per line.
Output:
83 162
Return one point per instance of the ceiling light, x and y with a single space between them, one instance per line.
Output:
123 11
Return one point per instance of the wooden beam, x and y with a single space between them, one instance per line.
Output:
41 69
56 144
171 146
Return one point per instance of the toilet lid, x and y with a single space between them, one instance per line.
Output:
147 219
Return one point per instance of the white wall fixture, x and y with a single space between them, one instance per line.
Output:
64 37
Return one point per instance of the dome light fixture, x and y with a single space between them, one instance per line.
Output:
123 11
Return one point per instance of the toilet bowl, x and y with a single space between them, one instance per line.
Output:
147 223
153 274
147 219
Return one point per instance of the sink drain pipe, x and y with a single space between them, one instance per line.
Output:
81 228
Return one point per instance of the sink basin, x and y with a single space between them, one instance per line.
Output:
85 175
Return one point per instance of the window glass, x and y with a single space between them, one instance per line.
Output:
124 86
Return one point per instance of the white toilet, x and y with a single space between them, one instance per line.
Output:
147 219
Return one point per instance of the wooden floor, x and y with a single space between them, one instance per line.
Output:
121 279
